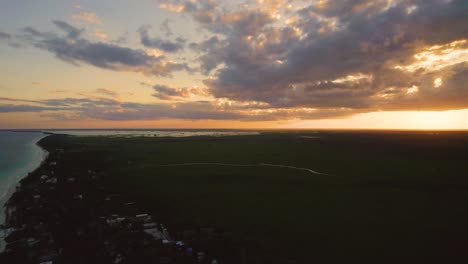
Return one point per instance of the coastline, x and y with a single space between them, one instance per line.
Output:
11 190
54 215
16 182
103 199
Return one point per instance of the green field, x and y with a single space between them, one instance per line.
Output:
392 196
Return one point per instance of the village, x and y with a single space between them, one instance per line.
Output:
62 216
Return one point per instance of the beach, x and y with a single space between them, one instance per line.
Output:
19 155
67 214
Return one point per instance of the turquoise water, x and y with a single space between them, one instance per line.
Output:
19 155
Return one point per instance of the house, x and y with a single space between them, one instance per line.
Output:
52 180
32 241
115 220
143 217
154 232
150 225
180 243
71 180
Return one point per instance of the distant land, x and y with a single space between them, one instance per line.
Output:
379 197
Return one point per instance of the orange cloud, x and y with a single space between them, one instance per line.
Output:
88 17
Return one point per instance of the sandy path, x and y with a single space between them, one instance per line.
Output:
246 165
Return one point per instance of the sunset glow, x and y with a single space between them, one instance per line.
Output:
234 64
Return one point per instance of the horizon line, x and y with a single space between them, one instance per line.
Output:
241 129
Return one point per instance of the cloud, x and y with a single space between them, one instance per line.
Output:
9 40
177 8
72 32
107 92
282 59
100 34
24 108
4 35
164 45
75 49
88 17
16 100
165 92
166 29
111 109
295 58
36 83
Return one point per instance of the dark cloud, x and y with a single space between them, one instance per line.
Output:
213 50
78 103
296 65
72 32
9 40
109 109
106 92
452 94
332 59
24 108
165 45
16 100
75 49
4 35
165 92
189 111
164 27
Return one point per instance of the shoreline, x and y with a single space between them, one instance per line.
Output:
102 200
58 209
12 189
16 183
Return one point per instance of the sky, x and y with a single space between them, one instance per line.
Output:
333 64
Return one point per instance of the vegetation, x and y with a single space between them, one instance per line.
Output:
391 194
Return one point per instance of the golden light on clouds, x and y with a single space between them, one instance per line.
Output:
411 9
353 78
172 7
88 17
154 52
414 89
320 63
437 57
100 34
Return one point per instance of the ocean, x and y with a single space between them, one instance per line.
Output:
19 155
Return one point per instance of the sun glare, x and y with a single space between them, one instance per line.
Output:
406 120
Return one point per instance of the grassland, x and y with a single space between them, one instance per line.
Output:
394 195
